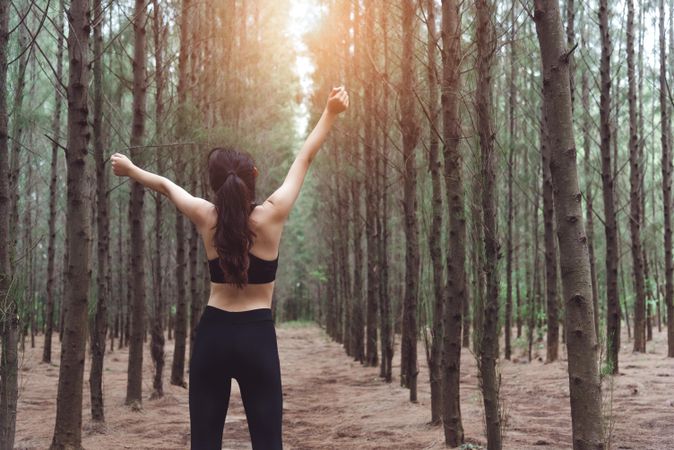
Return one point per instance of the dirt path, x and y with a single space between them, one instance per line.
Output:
333 402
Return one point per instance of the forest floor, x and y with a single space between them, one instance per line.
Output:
331 401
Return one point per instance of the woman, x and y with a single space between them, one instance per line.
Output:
235 335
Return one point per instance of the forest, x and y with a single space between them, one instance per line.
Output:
481 256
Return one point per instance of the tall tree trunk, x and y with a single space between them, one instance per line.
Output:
383 228
345 275
330 313
68 426
343 195
29 254
552 346
134 386
357 324
64 283
99 329
342 232
512 98
641 157
372 208
581 341
533 274
587 167
623 285
465 307
18 123
9 323
488 356
180 329
518 299
410 136
157 342
477 255
357 337
434 235
635 198
456 253
610 225
122 280
53 186
570 43
666 140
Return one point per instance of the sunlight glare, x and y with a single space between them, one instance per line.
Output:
303 15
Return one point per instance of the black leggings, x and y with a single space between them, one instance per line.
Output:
240 345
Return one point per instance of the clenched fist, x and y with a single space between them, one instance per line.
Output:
338 101
121 165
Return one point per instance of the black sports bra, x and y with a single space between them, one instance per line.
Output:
260 270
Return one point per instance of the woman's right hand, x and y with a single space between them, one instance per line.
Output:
338 100
121 165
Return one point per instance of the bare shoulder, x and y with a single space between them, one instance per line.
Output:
204 204
264 213
272 213
268 229
205 216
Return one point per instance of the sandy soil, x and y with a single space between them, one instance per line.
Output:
333 402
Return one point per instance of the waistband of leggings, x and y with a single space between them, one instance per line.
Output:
252 315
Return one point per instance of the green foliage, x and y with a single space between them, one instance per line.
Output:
520 342
606 367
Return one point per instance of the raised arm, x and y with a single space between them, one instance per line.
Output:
283 199
194 208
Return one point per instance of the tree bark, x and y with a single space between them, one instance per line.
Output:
157 341
581 341
434 235
345 277
383 228
18 123
666 142
635 187
456 253
134 387
477 255
410 136
357 324
488 356
9 322
372 206
68 426
99 330
53 186
610 225
180 325
512 99
552 346
589 228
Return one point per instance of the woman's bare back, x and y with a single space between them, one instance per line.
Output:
265 246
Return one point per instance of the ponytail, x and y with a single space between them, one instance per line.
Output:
233 236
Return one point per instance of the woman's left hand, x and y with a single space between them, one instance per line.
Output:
121 165
338 100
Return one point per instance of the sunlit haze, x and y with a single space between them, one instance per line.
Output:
303 15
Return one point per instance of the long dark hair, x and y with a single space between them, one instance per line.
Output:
232 177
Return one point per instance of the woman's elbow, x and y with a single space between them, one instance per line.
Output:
164 187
